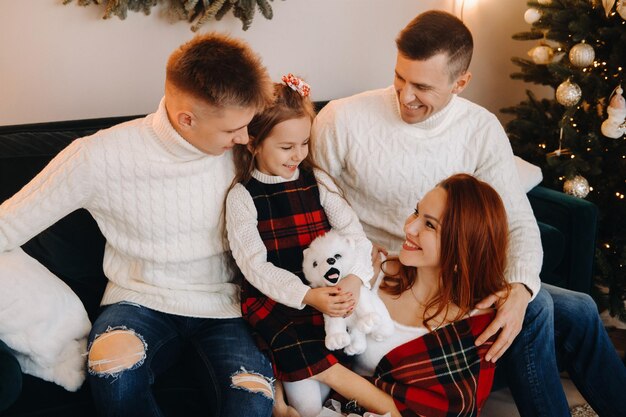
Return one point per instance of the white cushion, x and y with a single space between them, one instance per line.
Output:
42 320
530 175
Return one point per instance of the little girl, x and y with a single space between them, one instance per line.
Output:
279 203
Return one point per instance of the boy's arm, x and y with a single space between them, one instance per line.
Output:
60 188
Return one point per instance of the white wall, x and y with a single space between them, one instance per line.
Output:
64 62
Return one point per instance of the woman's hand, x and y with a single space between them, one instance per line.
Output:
330 300
509 318
378 255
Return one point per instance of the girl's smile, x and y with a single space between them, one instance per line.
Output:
284 148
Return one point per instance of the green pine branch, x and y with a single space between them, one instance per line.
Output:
197 12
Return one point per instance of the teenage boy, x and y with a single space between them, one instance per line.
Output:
156 188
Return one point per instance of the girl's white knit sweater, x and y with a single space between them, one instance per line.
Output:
251 255
158 201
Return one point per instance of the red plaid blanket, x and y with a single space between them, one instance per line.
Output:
441 374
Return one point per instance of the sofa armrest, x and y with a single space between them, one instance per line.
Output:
576 219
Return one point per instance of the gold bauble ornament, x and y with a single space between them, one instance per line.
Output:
582 55
544 2
568 93
577 186
541 54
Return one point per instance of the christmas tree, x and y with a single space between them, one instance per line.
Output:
578 136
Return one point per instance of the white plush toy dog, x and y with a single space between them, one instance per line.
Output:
326 262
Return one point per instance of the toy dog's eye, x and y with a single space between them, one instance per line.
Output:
314 264
337 256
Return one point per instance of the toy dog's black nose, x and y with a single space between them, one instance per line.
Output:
331 261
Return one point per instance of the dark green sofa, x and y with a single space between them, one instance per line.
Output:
73 248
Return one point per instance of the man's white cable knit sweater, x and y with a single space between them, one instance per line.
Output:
251 254
385 166
157 200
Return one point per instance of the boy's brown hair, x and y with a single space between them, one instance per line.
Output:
221 71
434 32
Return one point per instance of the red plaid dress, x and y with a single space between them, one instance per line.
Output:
289 217
441 374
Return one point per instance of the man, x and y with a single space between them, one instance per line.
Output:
387 147
156 188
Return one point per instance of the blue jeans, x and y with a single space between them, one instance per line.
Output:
562 328
224 346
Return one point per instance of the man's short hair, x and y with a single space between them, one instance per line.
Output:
434 32
220 70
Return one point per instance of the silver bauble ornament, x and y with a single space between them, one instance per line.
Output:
577 186
532 15
582 55
568 93
541 54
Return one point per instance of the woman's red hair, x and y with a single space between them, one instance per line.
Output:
474 241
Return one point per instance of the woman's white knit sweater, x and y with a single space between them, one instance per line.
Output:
251 254
157 200
385 166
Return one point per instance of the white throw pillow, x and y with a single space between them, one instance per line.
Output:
42 320
529 175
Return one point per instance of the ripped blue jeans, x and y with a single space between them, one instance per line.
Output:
224 345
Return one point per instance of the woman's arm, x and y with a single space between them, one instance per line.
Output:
352 386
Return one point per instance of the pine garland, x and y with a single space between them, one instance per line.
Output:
197 12
540 127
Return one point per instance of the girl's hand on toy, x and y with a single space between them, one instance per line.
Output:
330 301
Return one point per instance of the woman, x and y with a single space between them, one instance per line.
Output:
454 255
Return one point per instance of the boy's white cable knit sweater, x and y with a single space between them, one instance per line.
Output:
386 165
157 200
